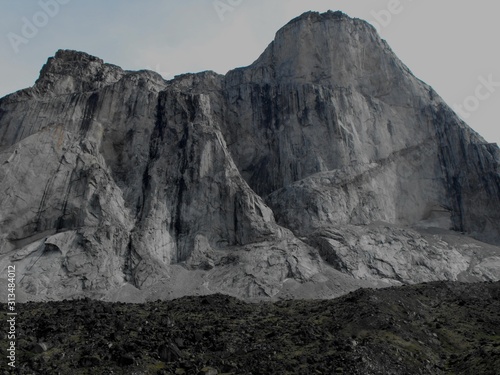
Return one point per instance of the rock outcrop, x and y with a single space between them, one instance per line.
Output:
322 167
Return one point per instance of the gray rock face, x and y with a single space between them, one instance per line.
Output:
322 167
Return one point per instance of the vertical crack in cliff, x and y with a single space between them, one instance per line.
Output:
47 195
88 114
188 105
176 224
60 221
235 220
155 145
448 167
41 208
158 134
128 266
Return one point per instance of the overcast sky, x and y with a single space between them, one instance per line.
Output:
451 45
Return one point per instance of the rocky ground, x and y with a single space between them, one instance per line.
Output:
434 328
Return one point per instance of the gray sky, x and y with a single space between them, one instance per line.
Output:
451 45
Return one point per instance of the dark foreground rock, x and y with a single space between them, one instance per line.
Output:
435 328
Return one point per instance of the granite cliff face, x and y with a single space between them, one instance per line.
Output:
323 166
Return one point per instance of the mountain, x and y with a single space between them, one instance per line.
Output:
323 167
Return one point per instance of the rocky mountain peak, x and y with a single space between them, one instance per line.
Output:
197 82
312 16
66 56
334 50
73 71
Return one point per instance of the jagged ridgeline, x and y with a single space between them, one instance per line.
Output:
322 167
